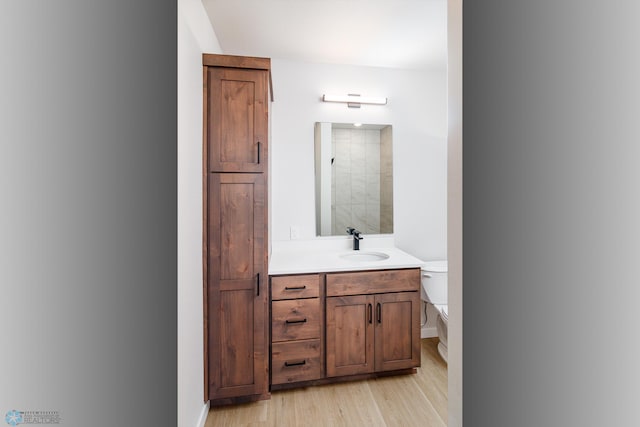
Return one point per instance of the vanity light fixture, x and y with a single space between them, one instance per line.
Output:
354 100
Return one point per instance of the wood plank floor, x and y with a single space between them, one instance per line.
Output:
404 400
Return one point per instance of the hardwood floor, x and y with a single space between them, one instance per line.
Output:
405 400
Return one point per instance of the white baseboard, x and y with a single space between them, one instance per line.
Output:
428 332
203 414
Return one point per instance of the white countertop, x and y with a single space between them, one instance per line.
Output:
319 260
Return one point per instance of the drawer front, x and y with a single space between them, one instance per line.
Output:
373 282
295 319
290 287
295 361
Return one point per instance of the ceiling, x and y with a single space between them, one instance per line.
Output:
409 34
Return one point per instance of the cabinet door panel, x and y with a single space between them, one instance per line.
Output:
237 230
236 338
397 331
237 119
237 296
350 335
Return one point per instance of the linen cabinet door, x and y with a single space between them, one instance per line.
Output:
237 122
237 291
350 335
397 331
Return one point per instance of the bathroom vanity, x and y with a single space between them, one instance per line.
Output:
334 319
308 312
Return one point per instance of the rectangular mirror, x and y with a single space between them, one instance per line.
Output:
354 178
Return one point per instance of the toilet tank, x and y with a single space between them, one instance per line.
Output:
434 282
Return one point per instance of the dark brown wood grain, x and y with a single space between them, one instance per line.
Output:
294 361
377 330
237 309
297 328
298 286
295 319
237 122
236 326
233 61
397 331
350 335
237 219
373 282
205 234
236 338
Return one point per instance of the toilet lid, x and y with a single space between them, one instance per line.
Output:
435 266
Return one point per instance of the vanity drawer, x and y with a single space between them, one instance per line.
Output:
290 287
373 282
295 361
295 319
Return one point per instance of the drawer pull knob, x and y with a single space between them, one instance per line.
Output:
296 321
300 363
295 288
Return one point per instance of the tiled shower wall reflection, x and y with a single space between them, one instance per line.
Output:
386 181
360 181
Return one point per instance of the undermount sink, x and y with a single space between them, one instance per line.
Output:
364 256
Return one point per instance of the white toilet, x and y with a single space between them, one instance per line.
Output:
434 291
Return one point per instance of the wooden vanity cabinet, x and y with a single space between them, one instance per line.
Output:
297 329
372 322
330 326
236 303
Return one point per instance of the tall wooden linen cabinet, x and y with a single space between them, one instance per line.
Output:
236 332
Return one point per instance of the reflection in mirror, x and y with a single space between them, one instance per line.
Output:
354 178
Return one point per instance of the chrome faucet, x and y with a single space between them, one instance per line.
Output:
356 237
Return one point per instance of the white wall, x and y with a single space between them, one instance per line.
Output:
417 109
195 36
